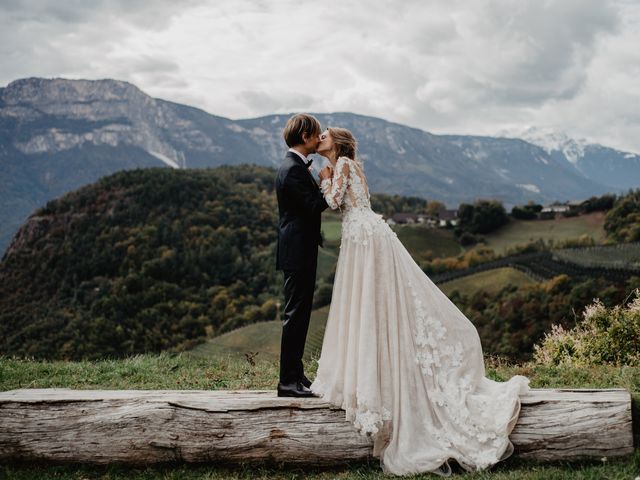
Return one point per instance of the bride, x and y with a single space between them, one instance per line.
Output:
398 356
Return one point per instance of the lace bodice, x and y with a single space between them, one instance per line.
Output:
347 189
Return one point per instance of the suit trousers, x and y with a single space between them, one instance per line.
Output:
298 298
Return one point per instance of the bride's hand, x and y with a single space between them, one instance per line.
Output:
326 172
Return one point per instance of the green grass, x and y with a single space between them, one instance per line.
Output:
262 337
424 242
491 281
612 469
331 225
327 258
518 232
331 228
187 372
151 371
328 254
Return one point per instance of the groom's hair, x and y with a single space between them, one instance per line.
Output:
297 125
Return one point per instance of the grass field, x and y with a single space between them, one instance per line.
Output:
186 372
262 337
518 232
331 228
327 258
424 242
491 281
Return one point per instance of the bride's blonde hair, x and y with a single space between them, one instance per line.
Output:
344 142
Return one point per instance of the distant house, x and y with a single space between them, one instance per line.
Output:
448 217
405 218
445 218
556 208
575 203
553 210
432 222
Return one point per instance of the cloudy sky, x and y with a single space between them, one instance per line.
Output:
446 66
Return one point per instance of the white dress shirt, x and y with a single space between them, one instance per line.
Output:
305 159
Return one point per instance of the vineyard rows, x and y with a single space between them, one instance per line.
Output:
609 264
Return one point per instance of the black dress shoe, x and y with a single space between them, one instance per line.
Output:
305 381
295 389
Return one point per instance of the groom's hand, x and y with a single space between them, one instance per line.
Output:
326 172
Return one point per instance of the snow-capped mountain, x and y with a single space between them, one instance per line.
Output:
617 169
550 141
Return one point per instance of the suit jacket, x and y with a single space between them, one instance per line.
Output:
300 204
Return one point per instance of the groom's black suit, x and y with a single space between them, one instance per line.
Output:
300 204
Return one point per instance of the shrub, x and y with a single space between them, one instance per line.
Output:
605 336
523 212
467 239
622 222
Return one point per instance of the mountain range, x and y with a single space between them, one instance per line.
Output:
59 134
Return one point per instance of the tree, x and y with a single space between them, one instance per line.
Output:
483 216
434 207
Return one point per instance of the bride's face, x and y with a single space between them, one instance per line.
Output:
326 143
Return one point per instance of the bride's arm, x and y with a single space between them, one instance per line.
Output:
334 188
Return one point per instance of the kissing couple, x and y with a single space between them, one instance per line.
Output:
398 356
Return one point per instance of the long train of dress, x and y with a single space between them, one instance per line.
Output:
400 358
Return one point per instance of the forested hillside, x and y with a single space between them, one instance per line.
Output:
141 261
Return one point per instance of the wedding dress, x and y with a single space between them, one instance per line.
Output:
399 357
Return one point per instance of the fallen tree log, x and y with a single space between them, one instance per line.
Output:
141 427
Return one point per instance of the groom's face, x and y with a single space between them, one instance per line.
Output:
311 142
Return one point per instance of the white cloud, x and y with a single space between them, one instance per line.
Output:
442 65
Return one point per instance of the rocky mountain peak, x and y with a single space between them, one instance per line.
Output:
45 92
89 112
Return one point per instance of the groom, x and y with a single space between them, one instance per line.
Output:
300 203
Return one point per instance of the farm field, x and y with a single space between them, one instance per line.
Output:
491 281
518 232
623 255
424 242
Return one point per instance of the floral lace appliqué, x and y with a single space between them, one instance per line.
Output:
368 422
439 360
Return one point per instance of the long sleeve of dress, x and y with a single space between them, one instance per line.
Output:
335 187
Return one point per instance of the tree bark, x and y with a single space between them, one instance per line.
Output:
142 427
